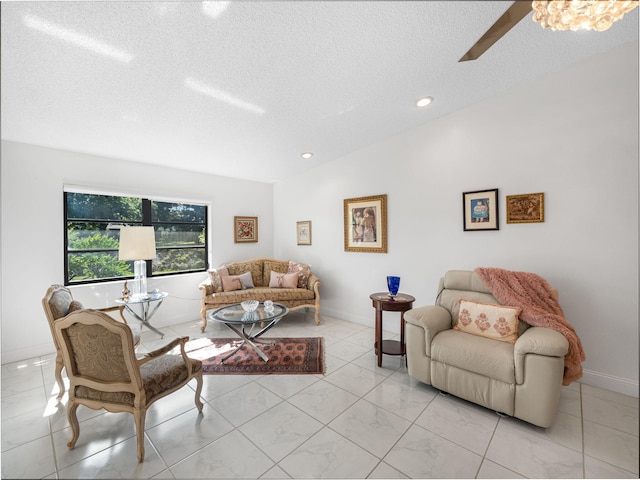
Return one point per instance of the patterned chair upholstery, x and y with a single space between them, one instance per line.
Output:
104 372
58 302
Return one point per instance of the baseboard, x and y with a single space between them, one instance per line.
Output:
610 382
21 354
366 321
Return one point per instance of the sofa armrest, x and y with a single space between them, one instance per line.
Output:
162 350
433 319
314 282
541 341
206 286
120 309
538 341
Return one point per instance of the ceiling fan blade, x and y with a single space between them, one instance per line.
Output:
506 22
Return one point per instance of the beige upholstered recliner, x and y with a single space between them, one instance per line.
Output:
57 303
521 379
104 372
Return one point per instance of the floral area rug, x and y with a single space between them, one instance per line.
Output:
286 356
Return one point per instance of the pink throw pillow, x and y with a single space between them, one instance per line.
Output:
231 283
283 280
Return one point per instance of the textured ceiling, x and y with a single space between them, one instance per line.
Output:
242 89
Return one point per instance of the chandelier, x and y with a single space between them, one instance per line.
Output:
580 14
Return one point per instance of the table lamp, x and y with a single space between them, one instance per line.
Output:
138 244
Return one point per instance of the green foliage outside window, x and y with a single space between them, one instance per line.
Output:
95 265
92 235
84 206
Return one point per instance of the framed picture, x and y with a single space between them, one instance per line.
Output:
365 224
245 229
480 210
303 232
525 208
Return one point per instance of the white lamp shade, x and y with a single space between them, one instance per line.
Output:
137 243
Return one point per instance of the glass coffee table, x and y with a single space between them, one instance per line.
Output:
244 323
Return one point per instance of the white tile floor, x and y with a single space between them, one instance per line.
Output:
357 421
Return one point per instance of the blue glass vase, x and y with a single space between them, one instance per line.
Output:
393 284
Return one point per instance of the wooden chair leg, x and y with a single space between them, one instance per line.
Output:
121 311
203 315
73 423
139 417
58 375
199 403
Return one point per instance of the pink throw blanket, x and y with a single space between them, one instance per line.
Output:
540 308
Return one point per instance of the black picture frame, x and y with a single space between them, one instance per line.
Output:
480 210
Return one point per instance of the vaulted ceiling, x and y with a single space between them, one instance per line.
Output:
243 88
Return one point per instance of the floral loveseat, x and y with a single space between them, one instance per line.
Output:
283 281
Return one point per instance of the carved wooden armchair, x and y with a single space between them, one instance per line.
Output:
58 302
104 372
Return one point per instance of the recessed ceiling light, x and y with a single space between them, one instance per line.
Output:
307 155
214 9
424 101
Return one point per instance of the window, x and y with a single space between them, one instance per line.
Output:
181 241
92 232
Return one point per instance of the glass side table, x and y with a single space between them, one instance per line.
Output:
146 309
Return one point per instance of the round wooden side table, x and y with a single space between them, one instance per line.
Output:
383 302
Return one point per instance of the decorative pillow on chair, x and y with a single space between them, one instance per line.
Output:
304 272
283 280
215 275
75 305
498 322
231 283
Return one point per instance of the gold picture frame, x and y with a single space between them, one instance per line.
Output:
365 224
245 229
303 232
525 208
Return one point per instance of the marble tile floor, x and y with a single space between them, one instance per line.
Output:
356 421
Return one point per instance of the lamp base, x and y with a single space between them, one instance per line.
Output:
139 285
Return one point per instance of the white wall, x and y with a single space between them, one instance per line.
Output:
33 229
572 135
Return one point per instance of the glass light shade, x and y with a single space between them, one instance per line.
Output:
595 15
393 284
